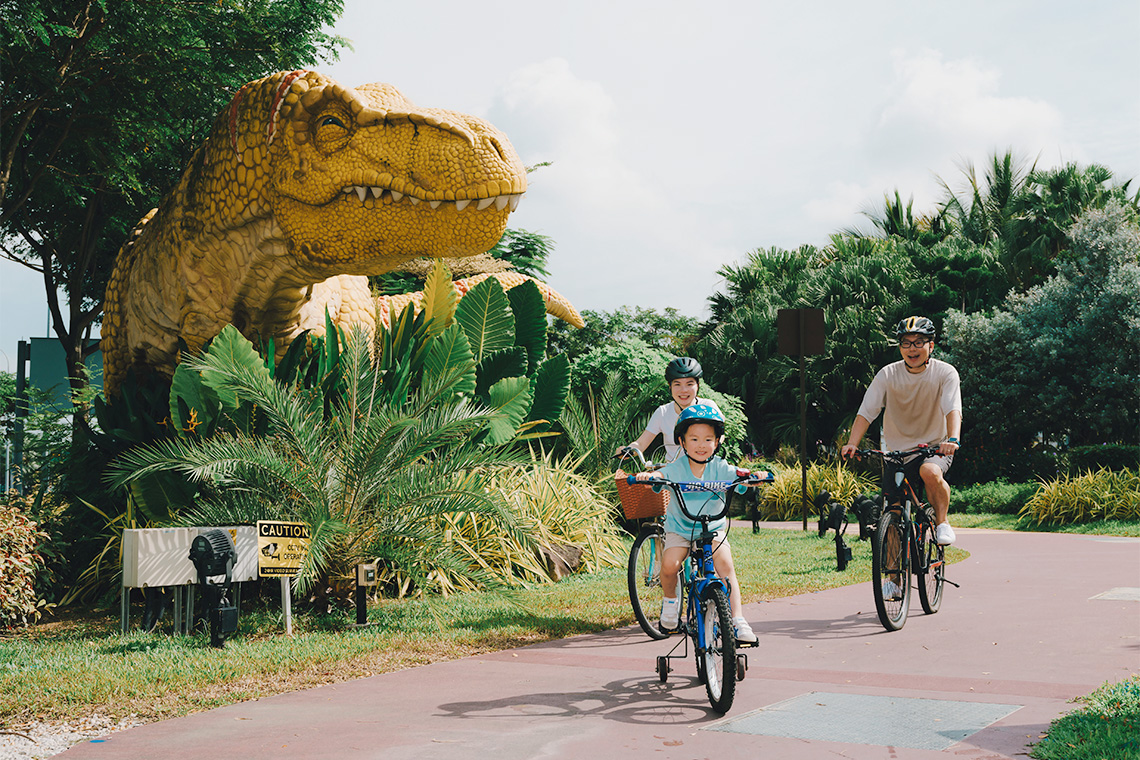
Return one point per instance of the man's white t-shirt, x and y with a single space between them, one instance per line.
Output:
916 405
665 419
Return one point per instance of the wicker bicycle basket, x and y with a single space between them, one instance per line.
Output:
640 501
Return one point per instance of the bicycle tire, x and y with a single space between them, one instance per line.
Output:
890 562
643 578
931 570
718 650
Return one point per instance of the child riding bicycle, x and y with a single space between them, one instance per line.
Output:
699 433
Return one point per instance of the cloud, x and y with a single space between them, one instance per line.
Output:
612 223
941 109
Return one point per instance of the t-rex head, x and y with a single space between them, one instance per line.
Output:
357 179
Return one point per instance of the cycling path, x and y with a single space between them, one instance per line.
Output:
1039 619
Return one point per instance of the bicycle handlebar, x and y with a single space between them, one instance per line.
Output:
898 457
639 456
704 486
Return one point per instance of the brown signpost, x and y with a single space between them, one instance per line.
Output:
799 332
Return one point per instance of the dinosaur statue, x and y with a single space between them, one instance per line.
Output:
302 189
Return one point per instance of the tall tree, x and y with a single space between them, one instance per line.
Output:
103 103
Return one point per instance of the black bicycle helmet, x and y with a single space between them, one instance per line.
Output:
683 366
915 326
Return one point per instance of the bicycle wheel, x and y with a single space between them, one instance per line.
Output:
932 570
890 571
644 579
718 649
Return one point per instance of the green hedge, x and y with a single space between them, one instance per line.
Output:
996 498
1109 456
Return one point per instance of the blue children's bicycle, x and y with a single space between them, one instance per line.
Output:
708 617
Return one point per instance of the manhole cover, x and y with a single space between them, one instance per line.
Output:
1120 594
861 719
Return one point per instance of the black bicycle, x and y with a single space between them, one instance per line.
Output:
903 541
708 618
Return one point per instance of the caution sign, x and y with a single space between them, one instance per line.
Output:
281 548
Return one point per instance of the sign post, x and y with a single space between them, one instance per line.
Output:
281 549
799 332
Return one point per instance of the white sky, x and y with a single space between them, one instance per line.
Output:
684 135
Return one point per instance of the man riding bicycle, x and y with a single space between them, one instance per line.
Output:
921 401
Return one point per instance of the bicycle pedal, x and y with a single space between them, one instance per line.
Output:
746 644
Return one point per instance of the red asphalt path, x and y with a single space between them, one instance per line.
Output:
1023 629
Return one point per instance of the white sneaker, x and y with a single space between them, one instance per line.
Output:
743 631
944 534
891 591
670 614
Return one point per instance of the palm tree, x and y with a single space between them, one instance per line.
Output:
982 217
1041 215
369 479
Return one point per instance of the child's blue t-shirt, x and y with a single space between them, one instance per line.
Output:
697 502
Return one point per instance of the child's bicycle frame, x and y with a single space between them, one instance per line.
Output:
708 617
903 542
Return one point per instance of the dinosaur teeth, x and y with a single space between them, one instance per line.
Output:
500 201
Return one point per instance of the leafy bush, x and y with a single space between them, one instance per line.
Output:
20 540
995 498
562 526
1110 456
1100 495
782 499
990 460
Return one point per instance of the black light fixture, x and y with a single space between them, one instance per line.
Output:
213 554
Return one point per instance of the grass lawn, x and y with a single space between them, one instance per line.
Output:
1013 522
77 663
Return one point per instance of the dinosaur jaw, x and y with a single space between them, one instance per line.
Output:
368 230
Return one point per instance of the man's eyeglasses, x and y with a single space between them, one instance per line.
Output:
913 343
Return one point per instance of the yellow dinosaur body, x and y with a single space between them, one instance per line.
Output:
303 188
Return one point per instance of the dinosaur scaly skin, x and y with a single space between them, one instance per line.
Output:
302 188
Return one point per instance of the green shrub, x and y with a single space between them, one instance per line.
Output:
1100 495
1110 456
782 499
996 498
20 539
986 461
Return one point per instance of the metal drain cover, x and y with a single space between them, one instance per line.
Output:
1121 593
861 719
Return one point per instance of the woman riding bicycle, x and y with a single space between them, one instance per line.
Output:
699 433
921 401
684 377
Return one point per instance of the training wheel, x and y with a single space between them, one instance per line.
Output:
741 666
663 668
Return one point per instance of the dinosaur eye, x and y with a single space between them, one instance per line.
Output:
332 121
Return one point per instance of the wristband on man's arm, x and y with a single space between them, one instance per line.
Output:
953 440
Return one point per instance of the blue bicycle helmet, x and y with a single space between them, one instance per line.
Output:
698 413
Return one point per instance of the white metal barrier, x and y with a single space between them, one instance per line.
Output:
160 557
